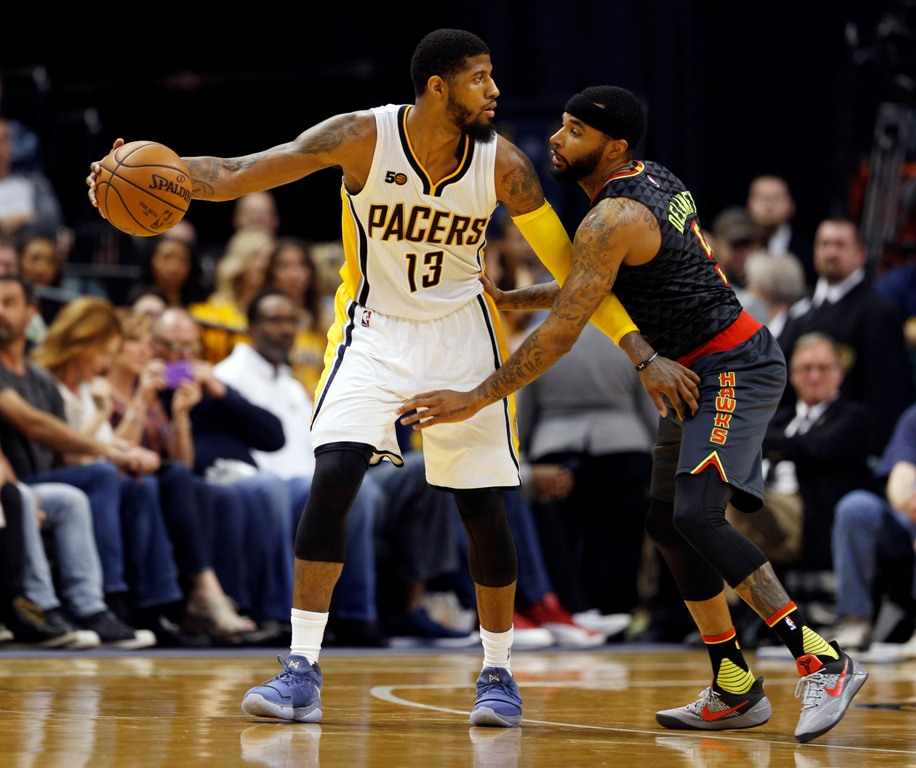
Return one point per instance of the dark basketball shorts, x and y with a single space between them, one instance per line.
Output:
739 391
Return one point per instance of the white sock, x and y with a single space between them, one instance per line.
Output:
308 632
496 648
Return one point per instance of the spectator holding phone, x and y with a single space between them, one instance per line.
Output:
136 378
80 347
226 428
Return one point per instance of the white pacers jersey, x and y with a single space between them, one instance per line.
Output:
411 314
417 244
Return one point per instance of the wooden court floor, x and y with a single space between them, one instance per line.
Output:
409 709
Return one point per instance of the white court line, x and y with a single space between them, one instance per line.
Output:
386 693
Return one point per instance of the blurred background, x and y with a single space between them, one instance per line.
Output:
734 89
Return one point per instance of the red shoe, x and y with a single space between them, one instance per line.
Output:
550 614
527 634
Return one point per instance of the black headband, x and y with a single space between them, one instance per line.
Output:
597 117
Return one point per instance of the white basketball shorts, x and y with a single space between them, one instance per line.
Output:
380 361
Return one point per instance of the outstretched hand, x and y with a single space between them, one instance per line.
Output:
671 384
438 407
94 175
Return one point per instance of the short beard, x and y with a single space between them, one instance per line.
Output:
475 131
575 172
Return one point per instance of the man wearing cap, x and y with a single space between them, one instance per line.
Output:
642 238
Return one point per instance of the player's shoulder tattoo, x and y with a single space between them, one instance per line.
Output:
517 182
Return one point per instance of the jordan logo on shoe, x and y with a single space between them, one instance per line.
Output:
710 716
841 681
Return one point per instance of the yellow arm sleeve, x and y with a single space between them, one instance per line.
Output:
548 238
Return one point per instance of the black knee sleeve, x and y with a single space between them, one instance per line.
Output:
322 531
492 558
699 515
696 579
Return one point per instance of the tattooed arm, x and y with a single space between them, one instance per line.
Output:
537 296
599 247
345 141
612 232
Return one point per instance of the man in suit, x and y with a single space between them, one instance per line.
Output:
866 325
772 209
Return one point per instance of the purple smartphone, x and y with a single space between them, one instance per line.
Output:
178 372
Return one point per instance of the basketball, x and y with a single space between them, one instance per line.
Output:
143 188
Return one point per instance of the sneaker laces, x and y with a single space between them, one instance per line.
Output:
293 678
494 685
706 696
812 686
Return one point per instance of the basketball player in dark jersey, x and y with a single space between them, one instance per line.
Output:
642 238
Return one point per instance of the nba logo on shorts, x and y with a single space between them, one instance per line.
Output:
367 316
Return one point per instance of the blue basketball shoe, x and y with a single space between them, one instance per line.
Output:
498 701
294 694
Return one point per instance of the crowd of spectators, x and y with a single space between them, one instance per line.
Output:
155 470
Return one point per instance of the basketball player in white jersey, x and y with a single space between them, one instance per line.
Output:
420 183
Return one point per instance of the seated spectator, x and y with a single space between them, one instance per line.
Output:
150 304
34 433
9 256
776 283
27 198
772 208
898 283
257 210
240 275
26 144
733 239
292 270
171 268
865 324
23 622
79 348
874 533
60 520
226 429
136 378
39 264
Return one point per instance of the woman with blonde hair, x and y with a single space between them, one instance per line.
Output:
82 345
240 276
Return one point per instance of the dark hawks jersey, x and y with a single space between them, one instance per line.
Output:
680 299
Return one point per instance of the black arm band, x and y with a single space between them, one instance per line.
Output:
645 363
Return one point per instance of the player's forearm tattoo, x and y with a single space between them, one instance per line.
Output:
205 170
763 592
539 296
528 362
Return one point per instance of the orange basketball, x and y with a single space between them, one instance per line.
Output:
143 188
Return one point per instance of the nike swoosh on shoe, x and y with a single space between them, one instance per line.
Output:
713 716
841 681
